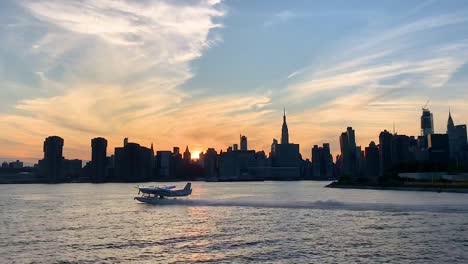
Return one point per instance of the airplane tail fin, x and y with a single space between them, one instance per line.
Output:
188 186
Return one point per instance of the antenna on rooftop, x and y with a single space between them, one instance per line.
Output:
425 106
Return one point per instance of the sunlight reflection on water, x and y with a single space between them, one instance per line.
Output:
231 222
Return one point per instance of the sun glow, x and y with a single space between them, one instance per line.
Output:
196 154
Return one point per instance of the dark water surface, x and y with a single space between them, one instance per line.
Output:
270 222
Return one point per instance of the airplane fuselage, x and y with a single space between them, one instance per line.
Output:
152 194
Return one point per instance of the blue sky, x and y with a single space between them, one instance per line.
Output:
199 73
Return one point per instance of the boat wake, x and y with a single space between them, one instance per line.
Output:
319 204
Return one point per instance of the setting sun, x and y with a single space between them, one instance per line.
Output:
195 154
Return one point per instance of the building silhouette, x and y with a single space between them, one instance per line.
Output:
322 162
349 153
243 143
133 163
439 148
372 161
176 151
427 123
284 130
210 164
427 127
385 150
235 164
187 156
285 156
72 169
400 149
458 142
15 165
176 164
164 165
51 166
98 159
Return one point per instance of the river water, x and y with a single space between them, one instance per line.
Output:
268 222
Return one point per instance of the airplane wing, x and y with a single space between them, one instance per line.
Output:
154 190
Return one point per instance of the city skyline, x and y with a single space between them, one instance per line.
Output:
426 128
283 134
196 83
131 162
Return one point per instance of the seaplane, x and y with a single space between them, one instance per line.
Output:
153 194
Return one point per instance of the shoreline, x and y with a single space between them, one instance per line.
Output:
160 181
398 188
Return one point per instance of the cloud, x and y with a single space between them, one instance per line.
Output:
129 36
81 69
130 22
115 114
396 53
99 67
114 68
280 17
380 79
433 72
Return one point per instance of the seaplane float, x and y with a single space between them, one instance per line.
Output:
153 194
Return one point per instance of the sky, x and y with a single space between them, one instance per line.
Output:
200 73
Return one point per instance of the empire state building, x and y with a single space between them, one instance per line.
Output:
285 156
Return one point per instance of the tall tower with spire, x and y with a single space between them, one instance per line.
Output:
284 130
285 155
457 136
450 123
187 156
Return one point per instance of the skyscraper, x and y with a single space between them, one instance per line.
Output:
187 156
243 143
348 153
327 165
175 151
450 123
210 164
284 130
439 148
163 165
53 159
133 163
98 159
322 162
316 160
457 139
372 161
285 155
427 123
385 150
400 149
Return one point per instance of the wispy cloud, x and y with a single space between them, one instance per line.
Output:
81 69
382 78
203 122
431 73
280 17
392 59
102 66
388 58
